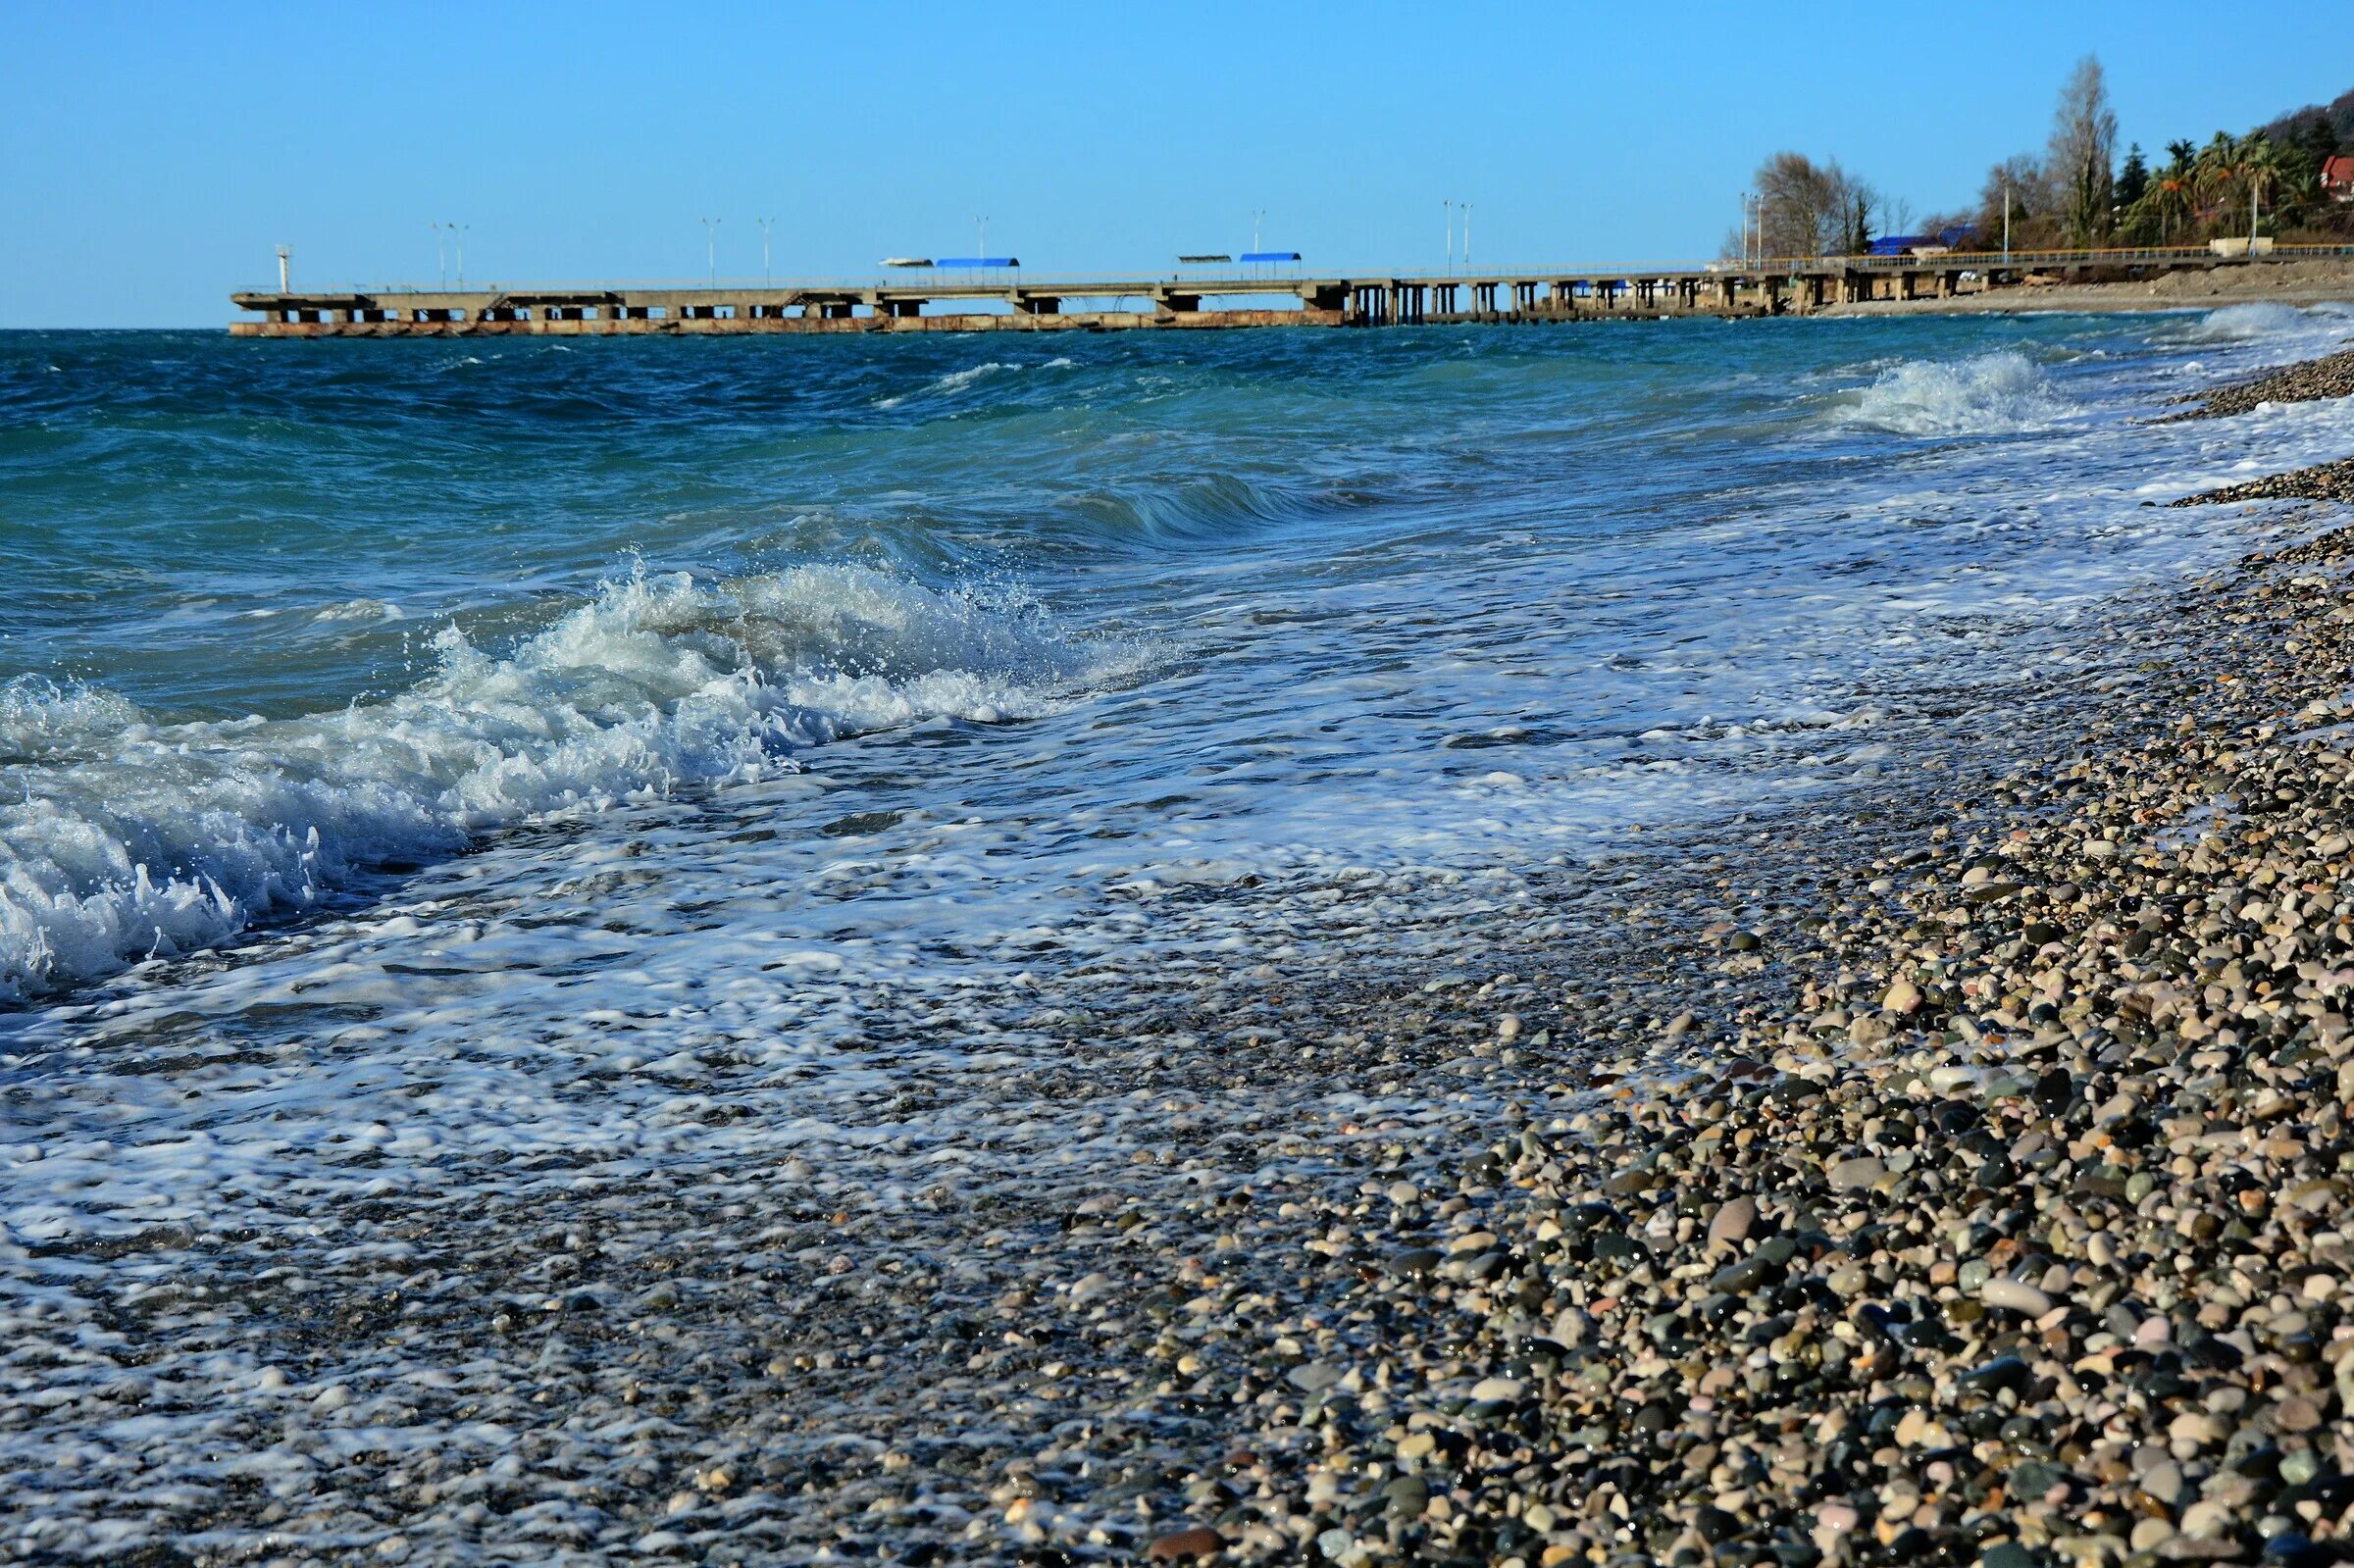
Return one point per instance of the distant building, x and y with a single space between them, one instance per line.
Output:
1937 244
2338 178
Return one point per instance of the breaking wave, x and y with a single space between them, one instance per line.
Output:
1989 394
124 839
2240 324
953 381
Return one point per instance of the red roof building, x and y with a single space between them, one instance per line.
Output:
2338 178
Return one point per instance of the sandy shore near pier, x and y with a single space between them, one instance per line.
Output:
2317 282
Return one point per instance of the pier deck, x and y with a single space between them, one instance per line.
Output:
1013 302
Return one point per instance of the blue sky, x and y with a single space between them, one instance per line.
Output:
152 156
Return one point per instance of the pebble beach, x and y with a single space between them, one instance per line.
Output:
2012 1231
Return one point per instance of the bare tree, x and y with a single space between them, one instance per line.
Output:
1812 209
2082 157
2018 185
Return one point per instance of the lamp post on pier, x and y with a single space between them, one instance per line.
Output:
460 230
766 224
711 248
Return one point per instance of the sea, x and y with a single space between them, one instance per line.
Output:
424 765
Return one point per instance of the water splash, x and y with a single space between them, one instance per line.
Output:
2000 394
126 838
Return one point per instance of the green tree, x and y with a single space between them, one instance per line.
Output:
2260 171
2132 181
2214 174
2173 200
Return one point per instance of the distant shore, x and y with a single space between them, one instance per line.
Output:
2302 282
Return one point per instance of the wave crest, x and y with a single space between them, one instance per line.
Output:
1988 394
124 839
2240 324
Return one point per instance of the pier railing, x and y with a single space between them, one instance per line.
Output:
1088 285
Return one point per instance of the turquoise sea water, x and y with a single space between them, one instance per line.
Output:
285 622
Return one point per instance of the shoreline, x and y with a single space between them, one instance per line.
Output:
2016 1230
2290 283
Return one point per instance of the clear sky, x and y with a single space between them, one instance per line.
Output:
152 156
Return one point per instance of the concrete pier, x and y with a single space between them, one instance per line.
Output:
1019 303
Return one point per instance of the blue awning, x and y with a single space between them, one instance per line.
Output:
978 261
1270 255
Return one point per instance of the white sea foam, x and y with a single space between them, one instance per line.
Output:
359 610
1988 394
123 837
2239 324
953 381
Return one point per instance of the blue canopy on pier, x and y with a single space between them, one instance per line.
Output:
1270 255
978 261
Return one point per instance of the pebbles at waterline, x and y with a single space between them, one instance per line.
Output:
2020 1235
2324 482
2329 376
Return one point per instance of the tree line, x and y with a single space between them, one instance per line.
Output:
2076 194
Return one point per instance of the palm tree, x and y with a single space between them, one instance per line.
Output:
2260 169
2215 174
2172 194
2170 199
